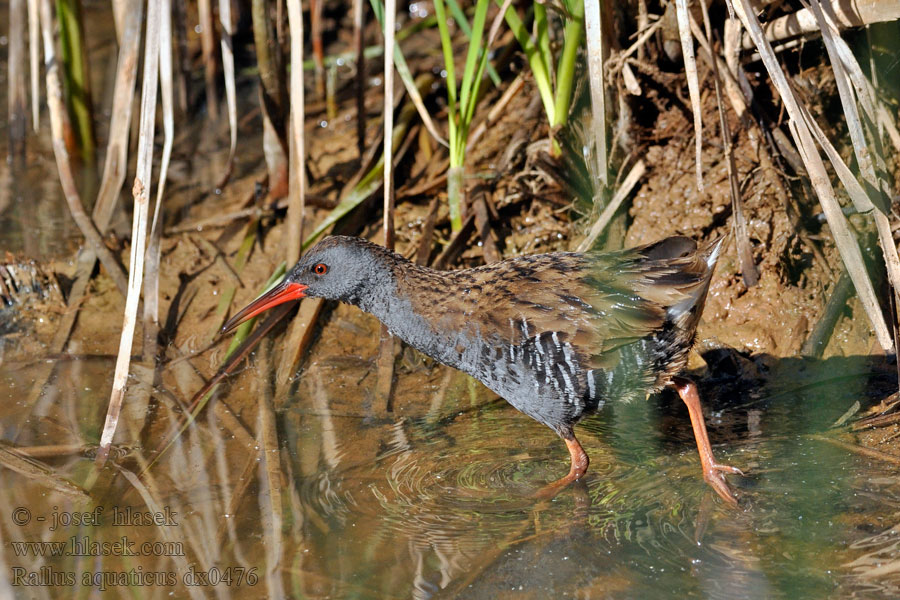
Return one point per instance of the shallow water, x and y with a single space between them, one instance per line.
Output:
437 502
433 499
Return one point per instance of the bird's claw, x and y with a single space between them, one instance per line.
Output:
713 475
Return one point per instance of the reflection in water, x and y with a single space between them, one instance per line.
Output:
448 501
436 500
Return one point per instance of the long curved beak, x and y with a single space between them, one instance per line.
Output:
281 293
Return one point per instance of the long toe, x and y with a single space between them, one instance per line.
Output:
716 480
727 469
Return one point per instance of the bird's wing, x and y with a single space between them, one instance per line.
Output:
598 302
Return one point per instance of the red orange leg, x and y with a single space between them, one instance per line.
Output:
577 469
712 470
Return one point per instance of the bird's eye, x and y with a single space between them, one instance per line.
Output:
320 269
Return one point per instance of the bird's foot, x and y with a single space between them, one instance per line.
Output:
549 491
579 465
713 473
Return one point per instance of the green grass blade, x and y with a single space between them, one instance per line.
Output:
452 108
447 47
463 24
532 54
565 72
541 27
472 62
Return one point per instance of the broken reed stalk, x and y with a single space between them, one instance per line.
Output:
230 93
806 146
63 163
141 193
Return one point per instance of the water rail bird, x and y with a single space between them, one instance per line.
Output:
556 335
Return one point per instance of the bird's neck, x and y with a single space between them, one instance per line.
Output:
398 297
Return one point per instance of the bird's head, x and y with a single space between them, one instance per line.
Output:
337 268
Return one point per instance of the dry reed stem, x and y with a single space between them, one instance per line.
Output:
116 162
273 98
385 361
300 330
297 178
230 93
113 177
843 237
690 70
845 14
141 192
151 265
593 31
17 94
208 48
34 54
875 199
851 112
360 79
